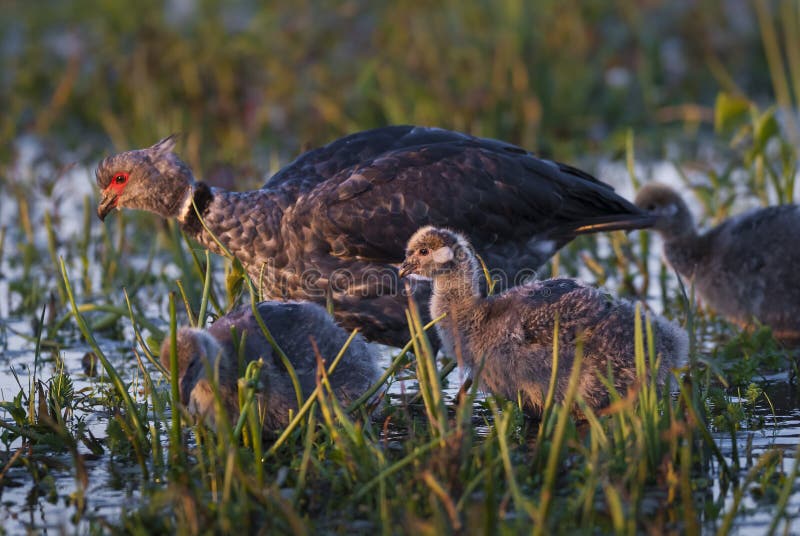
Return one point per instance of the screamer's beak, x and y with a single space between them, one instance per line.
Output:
406 268
107 204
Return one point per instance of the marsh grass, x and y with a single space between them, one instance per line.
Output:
329 469
439 464
428 461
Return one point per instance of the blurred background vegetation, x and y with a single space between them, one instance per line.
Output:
246 81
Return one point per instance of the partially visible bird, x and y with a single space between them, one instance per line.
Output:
509 336
214 353
334 223
745 268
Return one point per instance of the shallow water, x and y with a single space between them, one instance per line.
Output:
26 505
781 430
47 506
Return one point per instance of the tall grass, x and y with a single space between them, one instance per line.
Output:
646 441
443 464
285 74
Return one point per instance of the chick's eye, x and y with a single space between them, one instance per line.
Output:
120 178
423 251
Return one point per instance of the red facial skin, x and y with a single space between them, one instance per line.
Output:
110 197
116 186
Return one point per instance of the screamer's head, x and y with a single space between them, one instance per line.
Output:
152 179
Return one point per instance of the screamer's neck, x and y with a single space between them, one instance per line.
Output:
246 224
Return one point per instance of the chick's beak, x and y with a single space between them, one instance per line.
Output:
406 268
107 203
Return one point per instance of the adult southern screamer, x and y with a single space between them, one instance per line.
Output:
334 223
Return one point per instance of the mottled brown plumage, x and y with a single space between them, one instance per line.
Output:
510 335
336 220
745 268
212 353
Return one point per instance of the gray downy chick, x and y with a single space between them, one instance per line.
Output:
745 268
511 334
293 325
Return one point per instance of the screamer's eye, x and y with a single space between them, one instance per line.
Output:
423 251
120 178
